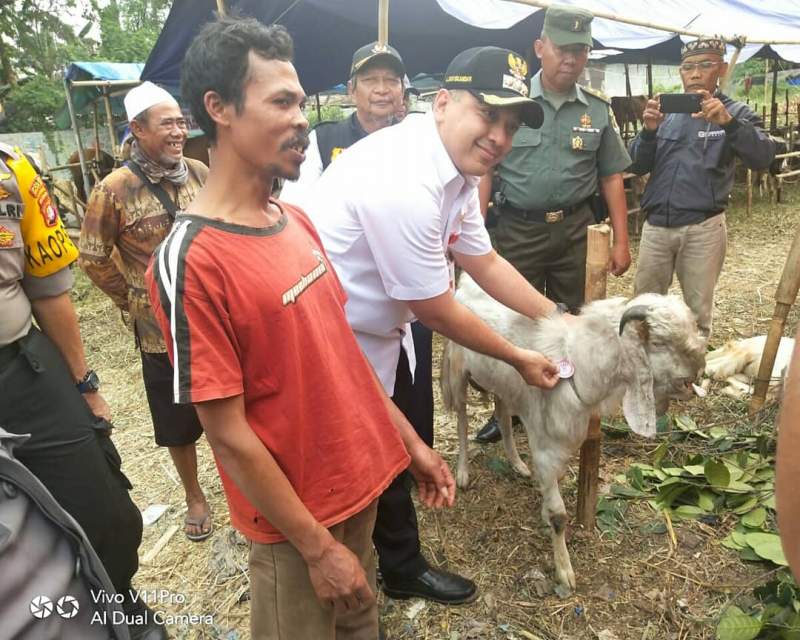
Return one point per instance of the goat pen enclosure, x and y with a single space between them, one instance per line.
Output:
641 575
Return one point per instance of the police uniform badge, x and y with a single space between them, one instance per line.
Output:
586 121
6 237
577 143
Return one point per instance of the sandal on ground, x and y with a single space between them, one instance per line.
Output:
200 523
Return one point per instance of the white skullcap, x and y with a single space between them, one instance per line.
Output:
143 97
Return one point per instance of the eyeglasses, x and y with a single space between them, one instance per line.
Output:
372 82
705 65
168 124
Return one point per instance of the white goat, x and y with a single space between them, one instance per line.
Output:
639 353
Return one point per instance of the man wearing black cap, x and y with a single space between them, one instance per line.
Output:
395 213
376 88
544 189
691 160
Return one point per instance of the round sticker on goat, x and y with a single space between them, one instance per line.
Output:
565 369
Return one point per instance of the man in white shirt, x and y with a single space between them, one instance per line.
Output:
394 213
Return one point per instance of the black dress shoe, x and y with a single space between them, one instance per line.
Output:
433 584
490 432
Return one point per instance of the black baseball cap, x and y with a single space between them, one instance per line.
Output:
497 77
374 52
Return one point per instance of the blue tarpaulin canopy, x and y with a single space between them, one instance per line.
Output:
82 97
429 33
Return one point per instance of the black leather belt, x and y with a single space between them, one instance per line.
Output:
549 216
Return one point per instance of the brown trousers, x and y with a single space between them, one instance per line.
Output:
552 257
283 604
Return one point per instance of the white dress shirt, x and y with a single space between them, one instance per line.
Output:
389 211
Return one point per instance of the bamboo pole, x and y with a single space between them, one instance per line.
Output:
784 299
723 85
773 108
110 125
96 128
608 15
73 119
749 192
105 83
597 256
383 21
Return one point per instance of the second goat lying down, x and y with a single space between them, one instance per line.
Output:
638 352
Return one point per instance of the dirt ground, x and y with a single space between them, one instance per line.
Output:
631 586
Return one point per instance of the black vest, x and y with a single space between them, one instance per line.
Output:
334 137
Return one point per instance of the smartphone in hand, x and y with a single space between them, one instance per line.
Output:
680 102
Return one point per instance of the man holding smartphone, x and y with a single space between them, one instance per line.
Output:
691 160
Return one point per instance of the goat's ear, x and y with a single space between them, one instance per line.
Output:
638 403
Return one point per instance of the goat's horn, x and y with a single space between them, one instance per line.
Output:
638 312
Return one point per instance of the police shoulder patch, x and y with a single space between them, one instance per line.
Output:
595 93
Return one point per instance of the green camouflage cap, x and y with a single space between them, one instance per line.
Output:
566 25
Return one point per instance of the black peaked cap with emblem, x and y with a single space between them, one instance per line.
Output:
497 77
375 52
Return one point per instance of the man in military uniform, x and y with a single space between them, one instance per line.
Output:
376 88
545 186
691 160
47 388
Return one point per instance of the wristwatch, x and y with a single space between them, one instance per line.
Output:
89 383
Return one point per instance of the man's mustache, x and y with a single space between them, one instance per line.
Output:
298 141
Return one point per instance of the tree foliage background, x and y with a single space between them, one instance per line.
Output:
36 44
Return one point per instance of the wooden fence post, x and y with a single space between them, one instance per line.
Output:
597 256
784 299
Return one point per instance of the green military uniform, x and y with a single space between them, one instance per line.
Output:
547 180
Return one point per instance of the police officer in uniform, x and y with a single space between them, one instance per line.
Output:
376 88
48 391
545 186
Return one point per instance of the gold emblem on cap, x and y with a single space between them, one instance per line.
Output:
576 26
586 120
577 143
517 66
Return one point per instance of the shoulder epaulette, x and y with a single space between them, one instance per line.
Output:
596 93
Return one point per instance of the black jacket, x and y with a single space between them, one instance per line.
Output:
691 163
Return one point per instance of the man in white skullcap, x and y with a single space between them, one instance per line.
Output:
132 210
